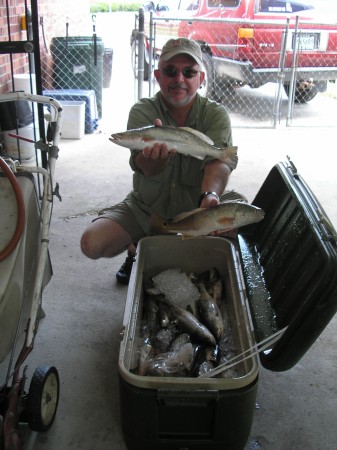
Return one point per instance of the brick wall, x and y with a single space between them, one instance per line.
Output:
54 15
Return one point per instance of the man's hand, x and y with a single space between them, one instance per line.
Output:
153 159
157 151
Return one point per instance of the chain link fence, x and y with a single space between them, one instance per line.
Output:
280 78
78 68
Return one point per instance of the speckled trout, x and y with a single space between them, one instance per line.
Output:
203 221
184 140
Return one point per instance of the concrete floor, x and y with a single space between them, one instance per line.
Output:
84 306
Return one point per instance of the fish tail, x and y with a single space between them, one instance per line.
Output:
230 156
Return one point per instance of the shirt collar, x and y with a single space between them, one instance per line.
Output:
192 119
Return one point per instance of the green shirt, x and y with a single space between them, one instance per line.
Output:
177 188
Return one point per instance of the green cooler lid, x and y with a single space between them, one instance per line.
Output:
289 262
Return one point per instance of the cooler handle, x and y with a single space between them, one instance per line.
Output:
177 397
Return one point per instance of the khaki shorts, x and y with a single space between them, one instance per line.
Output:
123 215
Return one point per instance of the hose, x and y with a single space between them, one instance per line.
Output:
20 223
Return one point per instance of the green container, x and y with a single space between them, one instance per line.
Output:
78 64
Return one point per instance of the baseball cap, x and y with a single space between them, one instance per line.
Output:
175 47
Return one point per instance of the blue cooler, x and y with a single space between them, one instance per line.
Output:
78 95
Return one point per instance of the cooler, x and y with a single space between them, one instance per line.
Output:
79 95
279 274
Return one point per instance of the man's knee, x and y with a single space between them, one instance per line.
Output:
87 246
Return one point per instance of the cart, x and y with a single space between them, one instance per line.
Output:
26 197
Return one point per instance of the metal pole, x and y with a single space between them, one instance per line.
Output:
38 74
293 76
280 75
141 52
150 54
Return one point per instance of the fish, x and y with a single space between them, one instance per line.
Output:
203 221
150 326
184 140
179 341
215 285
206 361
172 363
163 339
164 319
145 354
187 322
210 313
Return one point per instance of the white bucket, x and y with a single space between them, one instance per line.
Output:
27 149
27 83
23 81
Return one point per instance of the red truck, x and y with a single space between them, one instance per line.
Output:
248 42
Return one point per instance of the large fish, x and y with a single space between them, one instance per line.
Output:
210 312
187 322
203 221
184 140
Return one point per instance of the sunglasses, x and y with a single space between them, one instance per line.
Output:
187 72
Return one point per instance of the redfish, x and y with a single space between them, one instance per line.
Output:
203 221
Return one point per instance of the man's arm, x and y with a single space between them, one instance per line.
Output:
216 175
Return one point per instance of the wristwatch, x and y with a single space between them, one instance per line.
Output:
204 194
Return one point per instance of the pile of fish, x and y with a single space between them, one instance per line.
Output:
185 334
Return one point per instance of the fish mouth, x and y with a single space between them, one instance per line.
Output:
116 137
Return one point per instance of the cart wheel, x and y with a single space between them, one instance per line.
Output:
43 398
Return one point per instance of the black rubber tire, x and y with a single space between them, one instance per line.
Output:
207 87
43 398
302 95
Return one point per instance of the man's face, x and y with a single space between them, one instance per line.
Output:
179 79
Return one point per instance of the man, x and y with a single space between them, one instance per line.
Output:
164 182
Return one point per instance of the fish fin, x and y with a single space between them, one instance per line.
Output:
197 233
199 134
232 196
186 214
201 158
229 155
185 236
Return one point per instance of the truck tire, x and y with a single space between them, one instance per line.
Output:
207 87
302 94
